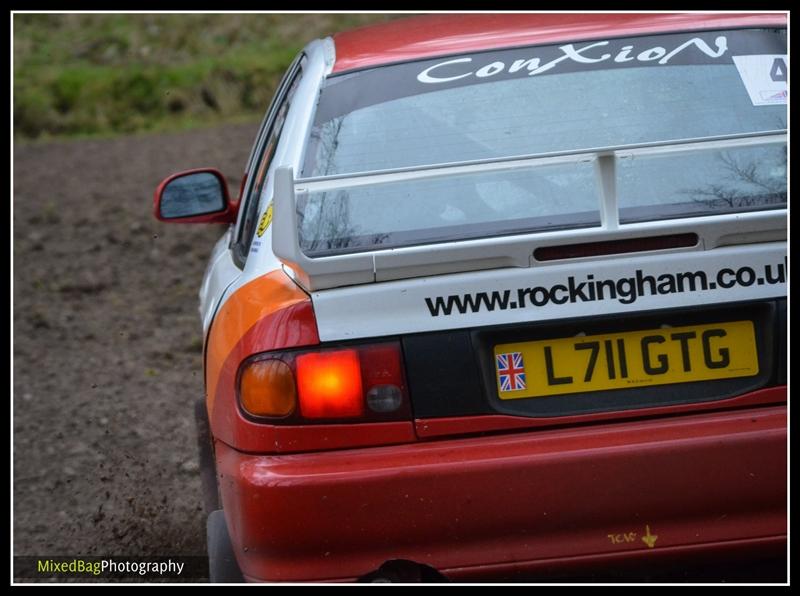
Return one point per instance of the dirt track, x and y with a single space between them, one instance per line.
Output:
107 345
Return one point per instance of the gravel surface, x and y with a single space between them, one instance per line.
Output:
108 345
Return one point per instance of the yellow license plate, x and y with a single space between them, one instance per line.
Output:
626 360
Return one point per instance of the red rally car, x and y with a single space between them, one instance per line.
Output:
503 296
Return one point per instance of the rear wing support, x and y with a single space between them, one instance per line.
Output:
326 272
513 250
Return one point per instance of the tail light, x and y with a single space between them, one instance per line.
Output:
268 389
329 384
614 247
342 384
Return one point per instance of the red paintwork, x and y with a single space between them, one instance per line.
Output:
463 425
437 35
293 326
473 507
228 216
273 439
677 559
672 560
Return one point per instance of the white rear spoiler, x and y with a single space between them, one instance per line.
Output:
514 250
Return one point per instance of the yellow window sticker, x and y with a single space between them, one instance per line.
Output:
265 220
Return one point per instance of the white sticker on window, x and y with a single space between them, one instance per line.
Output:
764 76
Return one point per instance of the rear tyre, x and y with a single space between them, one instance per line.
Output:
403 571
205 452
222 565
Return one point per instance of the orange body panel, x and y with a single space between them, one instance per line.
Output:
241 312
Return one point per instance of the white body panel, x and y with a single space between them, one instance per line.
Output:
396 307
220 273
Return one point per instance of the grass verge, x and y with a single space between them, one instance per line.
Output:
78 75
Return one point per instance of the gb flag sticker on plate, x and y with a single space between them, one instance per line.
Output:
511 371
764 76
627 360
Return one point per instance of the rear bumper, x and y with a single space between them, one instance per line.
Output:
707 485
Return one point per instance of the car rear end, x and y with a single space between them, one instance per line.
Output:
537 320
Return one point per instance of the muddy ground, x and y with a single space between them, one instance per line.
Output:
107 345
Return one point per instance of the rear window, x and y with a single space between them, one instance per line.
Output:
542 100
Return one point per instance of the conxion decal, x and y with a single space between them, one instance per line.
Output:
588 54
349 91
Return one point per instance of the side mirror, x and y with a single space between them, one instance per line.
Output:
194 196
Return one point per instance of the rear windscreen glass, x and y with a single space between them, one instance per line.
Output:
526 101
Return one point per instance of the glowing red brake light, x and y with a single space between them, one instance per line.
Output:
329 384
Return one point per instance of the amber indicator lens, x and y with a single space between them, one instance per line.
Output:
267 388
